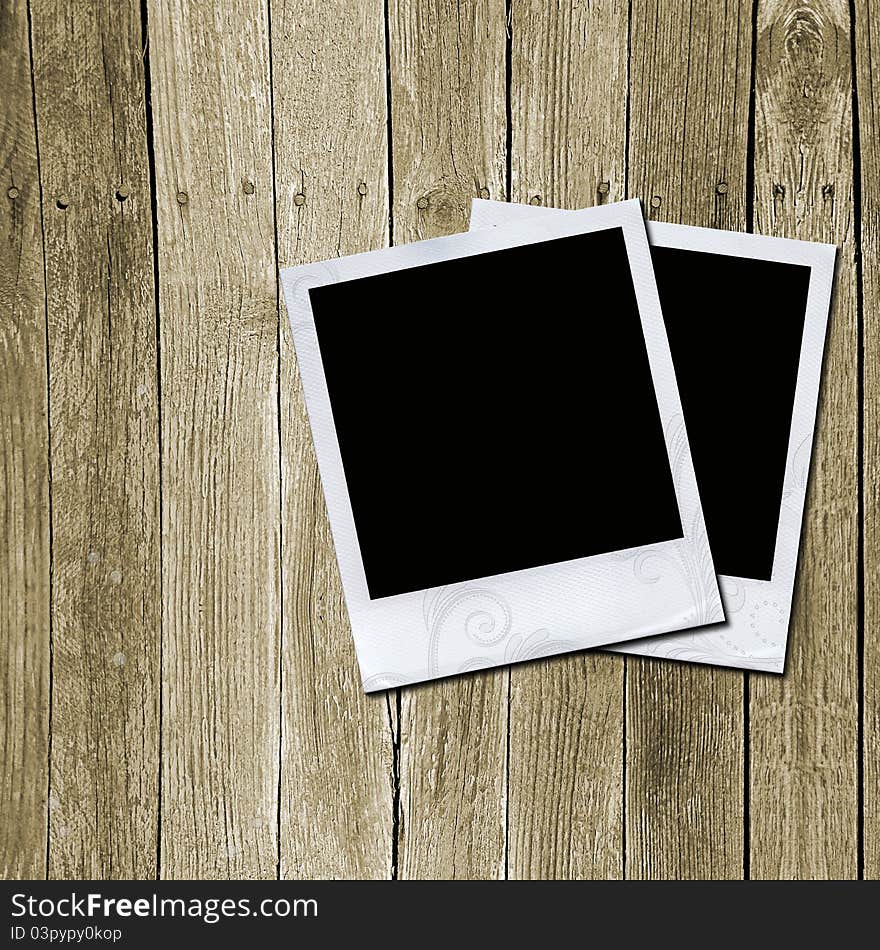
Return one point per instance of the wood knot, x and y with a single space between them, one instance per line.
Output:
828 191
778 191
803 29
248 187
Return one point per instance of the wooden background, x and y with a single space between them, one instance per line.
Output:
180 695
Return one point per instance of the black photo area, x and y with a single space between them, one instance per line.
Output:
495 412
735 327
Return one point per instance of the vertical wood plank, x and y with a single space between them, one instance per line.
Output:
24 464
337 761
867 50
448 90
688 143
803 726
448 99
568 90
91 124
221 498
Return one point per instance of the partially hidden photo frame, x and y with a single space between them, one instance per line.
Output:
498 467
746 317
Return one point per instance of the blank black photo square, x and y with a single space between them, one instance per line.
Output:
735 327
492 416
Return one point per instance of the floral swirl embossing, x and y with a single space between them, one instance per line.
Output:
382 681
533 646
477 614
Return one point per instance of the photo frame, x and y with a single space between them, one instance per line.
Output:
758 600
404 634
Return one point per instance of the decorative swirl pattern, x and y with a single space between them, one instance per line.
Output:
734 594
535 645
452 614
482 627
299 282
476 663
382 681
799 469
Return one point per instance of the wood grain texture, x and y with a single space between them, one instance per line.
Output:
220 457
689 110
684 762
803 726
448 95
91 124
337 759
867 52
688 144
568 89
565 805
448 120
453 739
24 464
190 635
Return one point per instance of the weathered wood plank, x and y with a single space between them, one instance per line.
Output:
568 143
867 49
566 769
448 121
803 727
688 142
91 125
448 94
24 463
337 761
220 455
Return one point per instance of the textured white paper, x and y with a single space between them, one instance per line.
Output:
530 613
755 633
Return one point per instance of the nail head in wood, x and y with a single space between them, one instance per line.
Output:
422 203
484 192
656 201
535 200
721 188
248 187
362 188
122 194
299 199
13 193
604 187
62 202
182 197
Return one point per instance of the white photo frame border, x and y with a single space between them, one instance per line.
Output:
524 614
755 633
